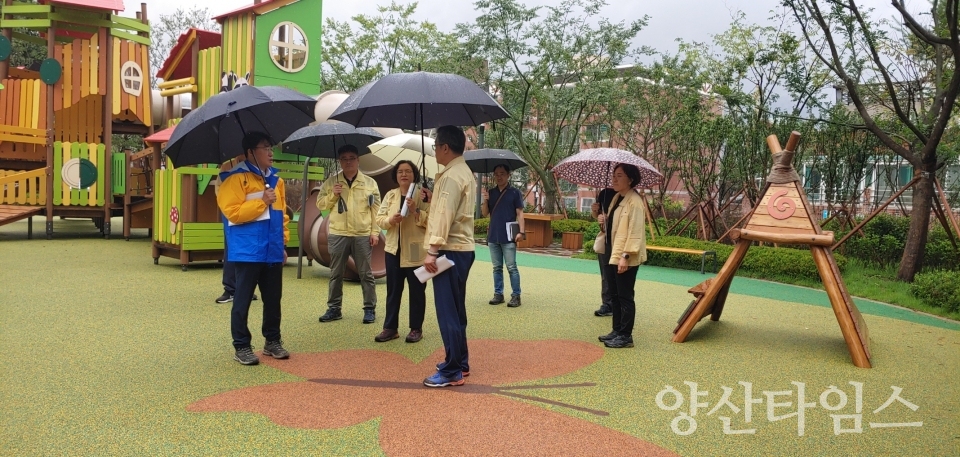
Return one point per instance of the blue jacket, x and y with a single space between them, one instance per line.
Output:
253 232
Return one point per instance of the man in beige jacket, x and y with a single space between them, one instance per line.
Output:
450 234
353 200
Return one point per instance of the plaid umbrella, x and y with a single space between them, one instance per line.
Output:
594 167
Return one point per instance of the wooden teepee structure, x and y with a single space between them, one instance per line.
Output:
783 216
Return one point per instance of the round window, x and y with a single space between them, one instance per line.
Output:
288 47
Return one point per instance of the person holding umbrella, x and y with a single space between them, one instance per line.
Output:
253 200
626 244
450 233
353 200
599 210
404 250
503 204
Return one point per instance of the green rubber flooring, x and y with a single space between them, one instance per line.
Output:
109 354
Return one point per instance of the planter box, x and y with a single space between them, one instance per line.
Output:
572 240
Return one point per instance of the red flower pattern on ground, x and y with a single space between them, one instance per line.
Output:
345 388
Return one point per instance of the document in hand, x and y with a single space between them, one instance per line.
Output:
443 264
513 228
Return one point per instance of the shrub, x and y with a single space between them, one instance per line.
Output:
481 225
885 236
760 262
569 225
579 215
938 288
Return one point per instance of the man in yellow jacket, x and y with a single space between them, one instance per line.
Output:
353 200
253 201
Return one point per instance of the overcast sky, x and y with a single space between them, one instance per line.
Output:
692 20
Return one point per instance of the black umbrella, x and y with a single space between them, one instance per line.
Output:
213 132
418 101
323 140
485 160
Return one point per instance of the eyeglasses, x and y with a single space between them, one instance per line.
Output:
349 159
435 145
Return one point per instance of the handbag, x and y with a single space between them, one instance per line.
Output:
600 244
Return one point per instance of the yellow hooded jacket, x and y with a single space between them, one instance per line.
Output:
361 200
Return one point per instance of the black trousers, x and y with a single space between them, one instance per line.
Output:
605 297
269 276
418 294
621 288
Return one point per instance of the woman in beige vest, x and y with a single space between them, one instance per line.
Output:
627 246
404 251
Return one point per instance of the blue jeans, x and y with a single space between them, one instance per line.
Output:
501 253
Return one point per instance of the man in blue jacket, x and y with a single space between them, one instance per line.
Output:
253 200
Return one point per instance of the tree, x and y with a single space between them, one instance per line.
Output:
551 73
165 32
906 77
389 42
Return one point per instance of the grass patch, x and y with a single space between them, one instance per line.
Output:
863 280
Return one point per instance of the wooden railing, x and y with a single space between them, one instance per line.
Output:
23 187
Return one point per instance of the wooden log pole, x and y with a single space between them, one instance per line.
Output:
774 144
946 205
825 239
51 51
723 278
841 309
792 142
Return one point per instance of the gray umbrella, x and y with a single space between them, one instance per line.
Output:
485 160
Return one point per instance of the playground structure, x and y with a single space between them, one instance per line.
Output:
57 116
783 216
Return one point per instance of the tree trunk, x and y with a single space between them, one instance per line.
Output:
912 260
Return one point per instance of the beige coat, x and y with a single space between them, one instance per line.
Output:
451 211
629 230
409 233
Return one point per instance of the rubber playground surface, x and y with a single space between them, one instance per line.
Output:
108 354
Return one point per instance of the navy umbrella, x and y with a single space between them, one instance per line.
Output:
213 132
485 160
418 101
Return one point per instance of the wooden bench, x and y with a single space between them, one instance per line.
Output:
703 255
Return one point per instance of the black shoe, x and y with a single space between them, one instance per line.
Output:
603 311
332 314
225 298
386 335
369 316
246 356
621 341
275 349
497 299
608 337
514 301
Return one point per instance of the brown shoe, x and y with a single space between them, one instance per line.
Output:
386 335
414 336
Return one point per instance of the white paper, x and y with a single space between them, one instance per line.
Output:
262 217
443 264
403 206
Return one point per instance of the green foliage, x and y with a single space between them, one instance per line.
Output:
884 239
939 289
579 215
26 53
481 225
570 225
761 261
